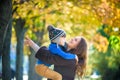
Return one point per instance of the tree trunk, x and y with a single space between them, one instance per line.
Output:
5 17
32 61
6 70
5 37
20 31
32 74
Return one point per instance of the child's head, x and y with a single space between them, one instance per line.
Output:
56 35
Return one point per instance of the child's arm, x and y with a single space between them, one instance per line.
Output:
45 55
57 50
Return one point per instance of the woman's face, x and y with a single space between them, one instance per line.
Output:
74 42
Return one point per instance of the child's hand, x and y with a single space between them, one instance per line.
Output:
27 41
30 43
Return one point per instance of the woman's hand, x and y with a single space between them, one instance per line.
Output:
76 57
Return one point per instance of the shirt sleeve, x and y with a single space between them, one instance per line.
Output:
45 55
57 50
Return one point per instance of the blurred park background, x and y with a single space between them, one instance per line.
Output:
97 20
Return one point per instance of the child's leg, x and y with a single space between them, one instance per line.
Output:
47 72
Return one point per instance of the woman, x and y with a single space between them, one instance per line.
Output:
67 68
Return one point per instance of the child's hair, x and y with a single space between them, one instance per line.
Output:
55 33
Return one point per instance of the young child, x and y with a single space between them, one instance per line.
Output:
57 38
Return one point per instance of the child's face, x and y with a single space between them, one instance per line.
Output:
62 40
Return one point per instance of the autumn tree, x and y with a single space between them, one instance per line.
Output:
27 16
20 29
107 12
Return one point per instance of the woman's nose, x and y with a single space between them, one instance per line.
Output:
72 39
